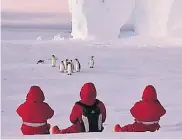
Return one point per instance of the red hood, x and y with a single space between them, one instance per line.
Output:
88 94
35 94
149 93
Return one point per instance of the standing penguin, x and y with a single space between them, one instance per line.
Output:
72 65
53 61
77 65
61 67
65 64
69 68
91 62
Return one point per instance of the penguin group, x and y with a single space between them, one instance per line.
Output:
70 67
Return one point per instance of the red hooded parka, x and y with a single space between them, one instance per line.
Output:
146 112
88 97
34 111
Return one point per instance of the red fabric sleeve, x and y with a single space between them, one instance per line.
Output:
147 111
103 110
50 111
134 110
75 113
162 111
20 110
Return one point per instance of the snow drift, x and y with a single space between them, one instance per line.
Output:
105 18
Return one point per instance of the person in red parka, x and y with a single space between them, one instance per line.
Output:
35 113
146 112
88 114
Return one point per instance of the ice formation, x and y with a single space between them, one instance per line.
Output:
39 38
58 37
105 18
151 17
79 23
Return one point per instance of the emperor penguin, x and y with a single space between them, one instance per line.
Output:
61 67
53 61
65 64
69 68
40 61
77 65
91 62
72 65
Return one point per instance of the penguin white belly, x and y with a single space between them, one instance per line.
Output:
69 69
77 67
53 62
72 66
61 67
65 65
91 63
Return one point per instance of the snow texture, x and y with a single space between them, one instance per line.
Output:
121 72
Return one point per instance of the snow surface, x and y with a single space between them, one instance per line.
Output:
122 70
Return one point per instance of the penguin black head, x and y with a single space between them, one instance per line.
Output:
70 60
92 56
76 59
53 55
66 59
40 61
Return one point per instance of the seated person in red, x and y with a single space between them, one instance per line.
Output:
88 114
35 113
146 112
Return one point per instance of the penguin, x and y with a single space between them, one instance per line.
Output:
77 65
69 68
65 64
61 67
53 61
72 65
40 61
91 62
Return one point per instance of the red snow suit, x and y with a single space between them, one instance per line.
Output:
146 112
35 113
88 97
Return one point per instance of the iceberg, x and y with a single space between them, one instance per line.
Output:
151 17
108 18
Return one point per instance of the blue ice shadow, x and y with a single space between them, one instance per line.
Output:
127 34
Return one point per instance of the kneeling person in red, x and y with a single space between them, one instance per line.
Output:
146 112
35 113
88 114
